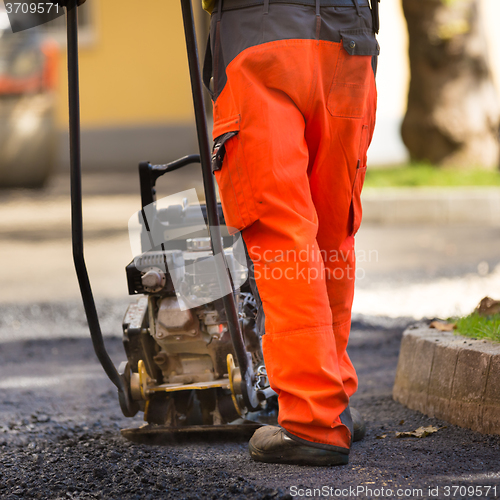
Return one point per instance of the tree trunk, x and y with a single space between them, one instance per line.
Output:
453 113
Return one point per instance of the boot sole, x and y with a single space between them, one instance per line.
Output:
303 455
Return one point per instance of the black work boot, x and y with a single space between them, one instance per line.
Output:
272 445
358 424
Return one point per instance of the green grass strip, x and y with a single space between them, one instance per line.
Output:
425 175
479 327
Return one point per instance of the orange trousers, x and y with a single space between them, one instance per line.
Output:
295 118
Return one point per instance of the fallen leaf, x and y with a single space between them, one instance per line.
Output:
419 433
443 326
401 422
488 307
383 436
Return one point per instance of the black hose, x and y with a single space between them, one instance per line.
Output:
76 199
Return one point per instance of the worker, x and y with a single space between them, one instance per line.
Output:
294 102
294 99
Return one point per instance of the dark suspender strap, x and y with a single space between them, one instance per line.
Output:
207 67
208 60
375 16
217 45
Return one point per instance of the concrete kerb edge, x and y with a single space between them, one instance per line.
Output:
450 377
435 205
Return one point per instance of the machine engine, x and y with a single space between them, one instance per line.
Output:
180 364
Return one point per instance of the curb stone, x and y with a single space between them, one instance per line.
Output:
475 205
450 377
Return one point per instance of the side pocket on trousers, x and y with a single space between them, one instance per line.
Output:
354 71
359 180
230 170
356 207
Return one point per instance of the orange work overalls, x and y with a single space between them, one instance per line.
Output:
294 111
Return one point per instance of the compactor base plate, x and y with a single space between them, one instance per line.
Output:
161 434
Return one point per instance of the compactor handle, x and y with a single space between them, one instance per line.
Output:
76 206
249 391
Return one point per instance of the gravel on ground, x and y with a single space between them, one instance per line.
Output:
60 437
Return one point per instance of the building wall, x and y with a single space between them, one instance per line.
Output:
136 99
133 70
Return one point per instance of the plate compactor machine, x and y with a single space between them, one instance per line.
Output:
194 354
